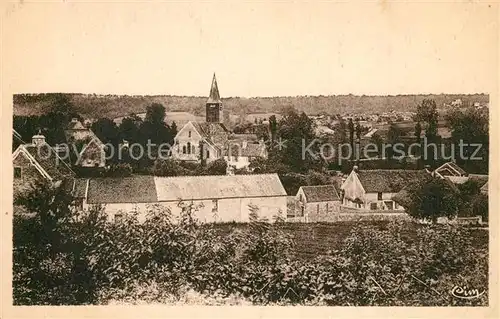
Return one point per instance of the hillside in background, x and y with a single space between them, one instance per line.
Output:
112 106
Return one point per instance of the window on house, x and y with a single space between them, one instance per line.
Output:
389 204
373 206
189 148
317 208
17 172
189 133
193 150
327 207
215 206
208 154
302 211
184 149
379 195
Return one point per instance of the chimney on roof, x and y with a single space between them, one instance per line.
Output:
38 139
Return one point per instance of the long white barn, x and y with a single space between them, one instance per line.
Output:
221 198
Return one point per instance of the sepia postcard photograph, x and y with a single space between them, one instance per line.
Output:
311 158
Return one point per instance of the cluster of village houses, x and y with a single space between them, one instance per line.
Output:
221 198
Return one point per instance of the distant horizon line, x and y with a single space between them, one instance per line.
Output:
253 97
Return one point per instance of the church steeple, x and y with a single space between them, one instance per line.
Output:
214 104
214 96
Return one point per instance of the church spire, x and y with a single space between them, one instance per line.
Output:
214 96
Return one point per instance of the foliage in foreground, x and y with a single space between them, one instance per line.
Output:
81 258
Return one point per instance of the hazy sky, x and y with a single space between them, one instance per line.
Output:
256 49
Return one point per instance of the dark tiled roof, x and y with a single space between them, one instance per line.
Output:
218 187
75 125
320 193
80 187
214 133
402 197
485 188
388 180
251 149
209 129
480 179
244 137
135 189
48 159
454 167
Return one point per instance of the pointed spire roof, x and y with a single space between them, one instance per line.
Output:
214 96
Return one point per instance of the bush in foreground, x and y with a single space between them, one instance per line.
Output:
81 258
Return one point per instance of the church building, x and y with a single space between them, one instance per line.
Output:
211 140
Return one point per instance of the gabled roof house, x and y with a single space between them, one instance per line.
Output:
38 160
374 189
217 198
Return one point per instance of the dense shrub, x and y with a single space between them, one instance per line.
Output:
81 258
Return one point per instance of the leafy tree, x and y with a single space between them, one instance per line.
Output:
418 132
155 114
469 188
316 178
272 164
129 129
393 138
377 140
119 170
273 127
106 130
430 199
217 167
470 127
292 181
167 167
394 134
50 248
340 135
262 132
350 127
297 130
426 111
154 128
358 130
480 206
173 129
431 133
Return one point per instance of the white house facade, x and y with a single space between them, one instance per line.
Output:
221 198
374 189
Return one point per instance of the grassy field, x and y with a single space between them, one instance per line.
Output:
313 239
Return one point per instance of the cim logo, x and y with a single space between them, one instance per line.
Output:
463 292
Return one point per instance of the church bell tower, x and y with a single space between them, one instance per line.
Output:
214 104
